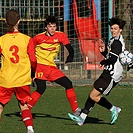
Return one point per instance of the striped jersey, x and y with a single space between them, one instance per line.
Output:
115 47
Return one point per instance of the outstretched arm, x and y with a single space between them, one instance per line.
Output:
113 54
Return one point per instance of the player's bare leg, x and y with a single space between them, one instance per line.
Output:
1 110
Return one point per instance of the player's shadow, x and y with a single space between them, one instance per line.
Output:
18 114
41 115
36 115
94 121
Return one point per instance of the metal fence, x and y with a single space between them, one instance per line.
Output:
33 13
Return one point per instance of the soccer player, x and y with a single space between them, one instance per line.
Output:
47 47
18 55
110 76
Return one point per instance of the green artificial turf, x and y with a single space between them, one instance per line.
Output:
50 113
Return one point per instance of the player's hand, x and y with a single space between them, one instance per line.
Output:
103 62
101 46
32 74
69 59
130 66
33 83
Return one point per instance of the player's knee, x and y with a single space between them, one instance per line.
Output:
68 85
41 86
65 82
1 105
95 98
23 106
40 90
92 97
95 95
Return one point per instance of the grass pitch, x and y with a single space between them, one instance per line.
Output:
50 113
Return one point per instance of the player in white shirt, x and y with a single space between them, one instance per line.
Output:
110 76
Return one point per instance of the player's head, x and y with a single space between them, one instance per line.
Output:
116 26
51 23
51 19
12 20
116 20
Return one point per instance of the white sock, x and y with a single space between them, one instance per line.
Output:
30 128
83 116
112 108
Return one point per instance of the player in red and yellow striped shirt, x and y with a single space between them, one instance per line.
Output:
47 47
18 55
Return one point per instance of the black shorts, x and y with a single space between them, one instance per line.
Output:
104 83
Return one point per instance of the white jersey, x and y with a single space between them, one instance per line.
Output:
115 47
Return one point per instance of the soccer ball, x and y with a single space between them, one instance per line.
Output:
126 58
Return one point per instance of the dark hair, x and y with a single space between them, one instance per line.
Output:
12 17
51 19
116 20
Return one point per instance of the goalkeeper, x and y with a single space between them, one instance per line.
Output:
111 75
47 47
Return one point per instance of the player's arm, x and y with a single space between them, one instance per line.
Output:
113 54
31 53
104 53
65 41
103 49
71 53
0 50
36 40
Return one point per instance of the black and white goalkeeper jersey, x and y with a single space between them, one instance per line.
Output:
115 46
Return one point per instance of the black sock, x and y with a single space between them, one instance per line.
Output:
88 105
104 103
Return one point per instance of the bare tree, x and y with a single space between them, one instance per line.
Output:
124 10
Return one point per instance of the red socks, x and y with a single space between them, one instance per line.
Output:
71 96
27 118
35 97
